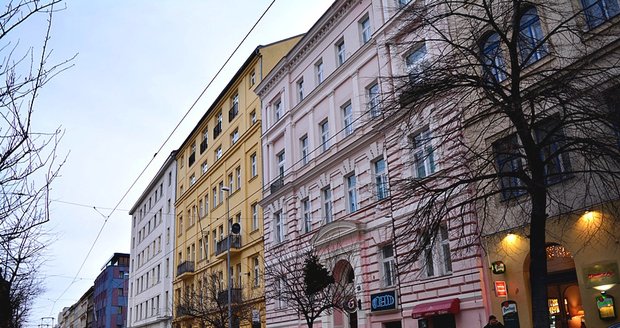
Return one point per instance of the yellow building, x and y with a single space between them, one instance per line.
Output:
219 183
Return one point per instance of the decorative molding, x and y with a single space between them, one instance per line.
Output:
335 231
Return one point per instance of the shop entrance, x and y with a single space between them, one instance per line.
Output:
343 272
563 296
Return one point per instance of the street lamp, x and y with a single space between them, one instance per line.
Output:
227 190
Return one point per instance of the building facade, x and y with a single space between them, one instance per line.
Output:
329 156
152 251
110 293
80 314
219 183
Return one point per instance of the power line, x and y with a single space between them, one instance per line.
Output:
162 146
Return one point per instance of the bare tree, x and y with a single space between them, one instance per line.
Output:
516 94
301 282
208 303
28 162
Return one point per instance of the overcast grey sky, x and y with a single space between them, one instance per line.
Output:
140 65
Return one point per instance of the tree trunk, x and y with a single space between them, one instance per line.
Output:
538 258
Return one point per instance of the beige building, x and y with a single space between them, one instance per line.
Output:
219 183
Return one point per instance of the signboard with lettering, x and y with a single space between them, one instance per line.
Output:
500 289
510 314
606 307
383 301
605 273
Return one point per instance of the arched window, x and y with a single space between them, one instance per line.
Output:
494 64
531 46
598 11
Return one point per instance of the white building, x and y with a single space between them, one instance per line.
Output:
152 245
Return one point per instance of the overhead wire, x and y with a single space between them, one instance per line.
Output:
239 44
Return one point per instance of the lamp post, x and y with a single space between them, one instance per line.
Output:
227 190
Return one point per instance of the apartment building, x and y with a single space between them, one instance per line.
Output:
110 293
80 314
151 269
219 185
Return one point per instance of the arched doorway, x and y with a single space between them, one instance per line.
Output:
344 273
563 296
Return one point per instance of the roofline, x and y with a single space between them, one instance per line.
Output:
171 158
255 53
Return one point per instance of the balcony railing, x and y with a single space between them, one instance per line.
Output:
277 184
203 146
187 266
217 130
235 295
222 245
232 113
191 159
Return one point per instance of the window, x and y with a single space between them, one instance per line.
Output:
281 163
277 110
204 167
234 107
494 64
230 182
305 212
599 11
279 287
324 127
218 153
381 179
388 266
303 145
372 93
252 78
200 248
205 140
215 197
327 204
169 178
347 118
192 180
256 271
253 168
415 63
340 53
218 126
550 138
192 155
531 45
278 223
365 29
234 137
402 3
351 183
437 257
318 69
254 210
509 166
300 90
423 157
252 117
238 177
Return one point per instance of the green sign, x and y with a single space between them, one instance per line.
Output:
601 274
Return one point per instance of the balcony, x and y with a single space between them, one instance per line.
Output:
181 311
222 246
192 159
232 113
217 130
185 267
277 184
236 296
203 146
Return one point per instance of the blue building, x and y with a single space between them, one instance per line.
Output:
110 297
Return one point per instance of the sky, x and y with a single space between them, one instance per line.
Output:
139 66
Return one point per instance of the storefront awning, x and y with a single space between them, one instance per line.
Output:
452 306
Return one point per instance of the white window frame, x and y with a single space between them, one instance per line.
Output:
253 167
365 29
238 177
300 90
373 93
324 129
281 160
256 270
352 199
341 52
437 257
278 224
304 147
381 181
277 110
326 198
388 266
347 118
422 153
306 214
254 211
319 71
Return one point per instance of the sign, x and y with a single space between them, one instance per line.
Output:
606 307
510 314
383 301
498 267
500 289
604 273
350 304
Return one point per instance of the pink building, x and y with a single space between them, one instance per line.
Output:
327 167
